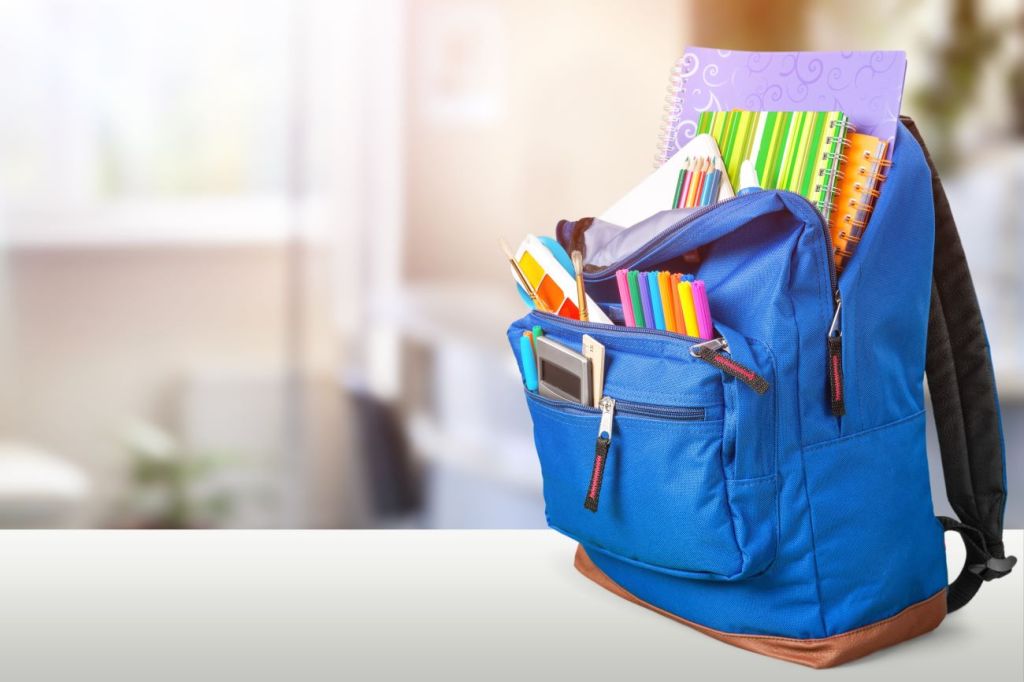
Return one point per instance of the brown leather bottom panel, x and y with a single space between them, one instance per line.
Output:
826 652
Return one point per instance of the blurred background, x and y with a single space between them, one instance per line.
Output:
249 271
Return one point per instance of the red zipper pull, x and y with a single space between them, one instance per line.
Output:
604 444
710 352
836 385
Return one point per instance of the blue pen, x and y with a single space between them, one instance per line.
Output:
659 312
529 361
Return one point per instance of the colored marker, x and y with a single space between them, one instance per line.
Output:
529 361
656 306
622 279
634 295
645 300
689 311
666 301
677 306
700 302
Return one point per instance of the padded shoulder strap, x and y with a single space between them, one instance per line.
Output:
963 393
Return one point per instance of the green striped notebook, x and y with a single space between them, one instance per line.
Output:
799 151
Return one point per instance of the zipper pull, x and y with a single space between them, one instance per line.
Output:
604 443
836 386
712 351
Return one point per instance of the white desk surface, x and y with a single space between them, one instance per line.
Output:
406 605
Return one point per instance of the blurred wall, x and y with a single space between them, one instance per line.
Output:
107 335
560 106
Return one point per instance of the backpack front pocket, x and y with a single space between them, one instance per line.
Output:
665 501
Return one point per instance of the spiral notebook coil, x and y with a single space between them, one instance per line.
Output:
673 110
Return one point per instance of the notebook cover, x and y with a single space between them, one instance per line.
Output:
797 151
866 86
859 187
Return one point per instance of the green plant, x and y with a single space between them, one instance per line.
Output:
167 482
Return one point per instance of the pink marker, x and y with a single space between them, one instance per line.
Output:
622 277
700 302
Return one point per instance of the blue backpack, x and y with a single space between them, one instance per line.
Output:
770 488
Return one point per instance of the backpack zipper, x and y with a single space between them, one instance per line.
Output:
713 355
603 445
835 389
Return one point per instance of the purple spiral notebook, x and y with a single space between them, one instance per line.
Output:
866 86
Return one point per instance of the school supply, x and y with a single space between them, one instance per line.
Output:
622 280
748 178
769 487
703 308
689 310
799 151
528 360
522 281
562 373
581 292
656 307
859 187
677 303
636 299
666 301
657 191
593 350
699 183
867 86
645 300
552 282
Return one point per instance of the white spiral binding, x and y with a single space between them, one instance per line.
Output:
673 110
830 181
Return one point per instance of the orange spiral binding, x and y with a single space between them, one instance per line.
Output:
863 165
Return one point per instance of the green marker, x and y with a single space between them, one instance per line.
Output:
634 293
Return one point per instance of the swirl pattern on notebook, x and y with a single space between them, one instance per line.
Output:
866 86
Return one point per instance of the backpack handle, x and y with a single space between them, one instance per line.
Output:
963 391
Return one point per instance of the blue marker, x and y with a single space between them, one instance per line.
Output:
659 312
529 361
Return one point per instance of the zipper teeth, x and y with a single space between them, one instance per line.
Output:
629 407
665 234
704 210
618 329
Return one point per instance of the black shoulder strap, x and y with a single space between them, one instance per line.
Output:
963 393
